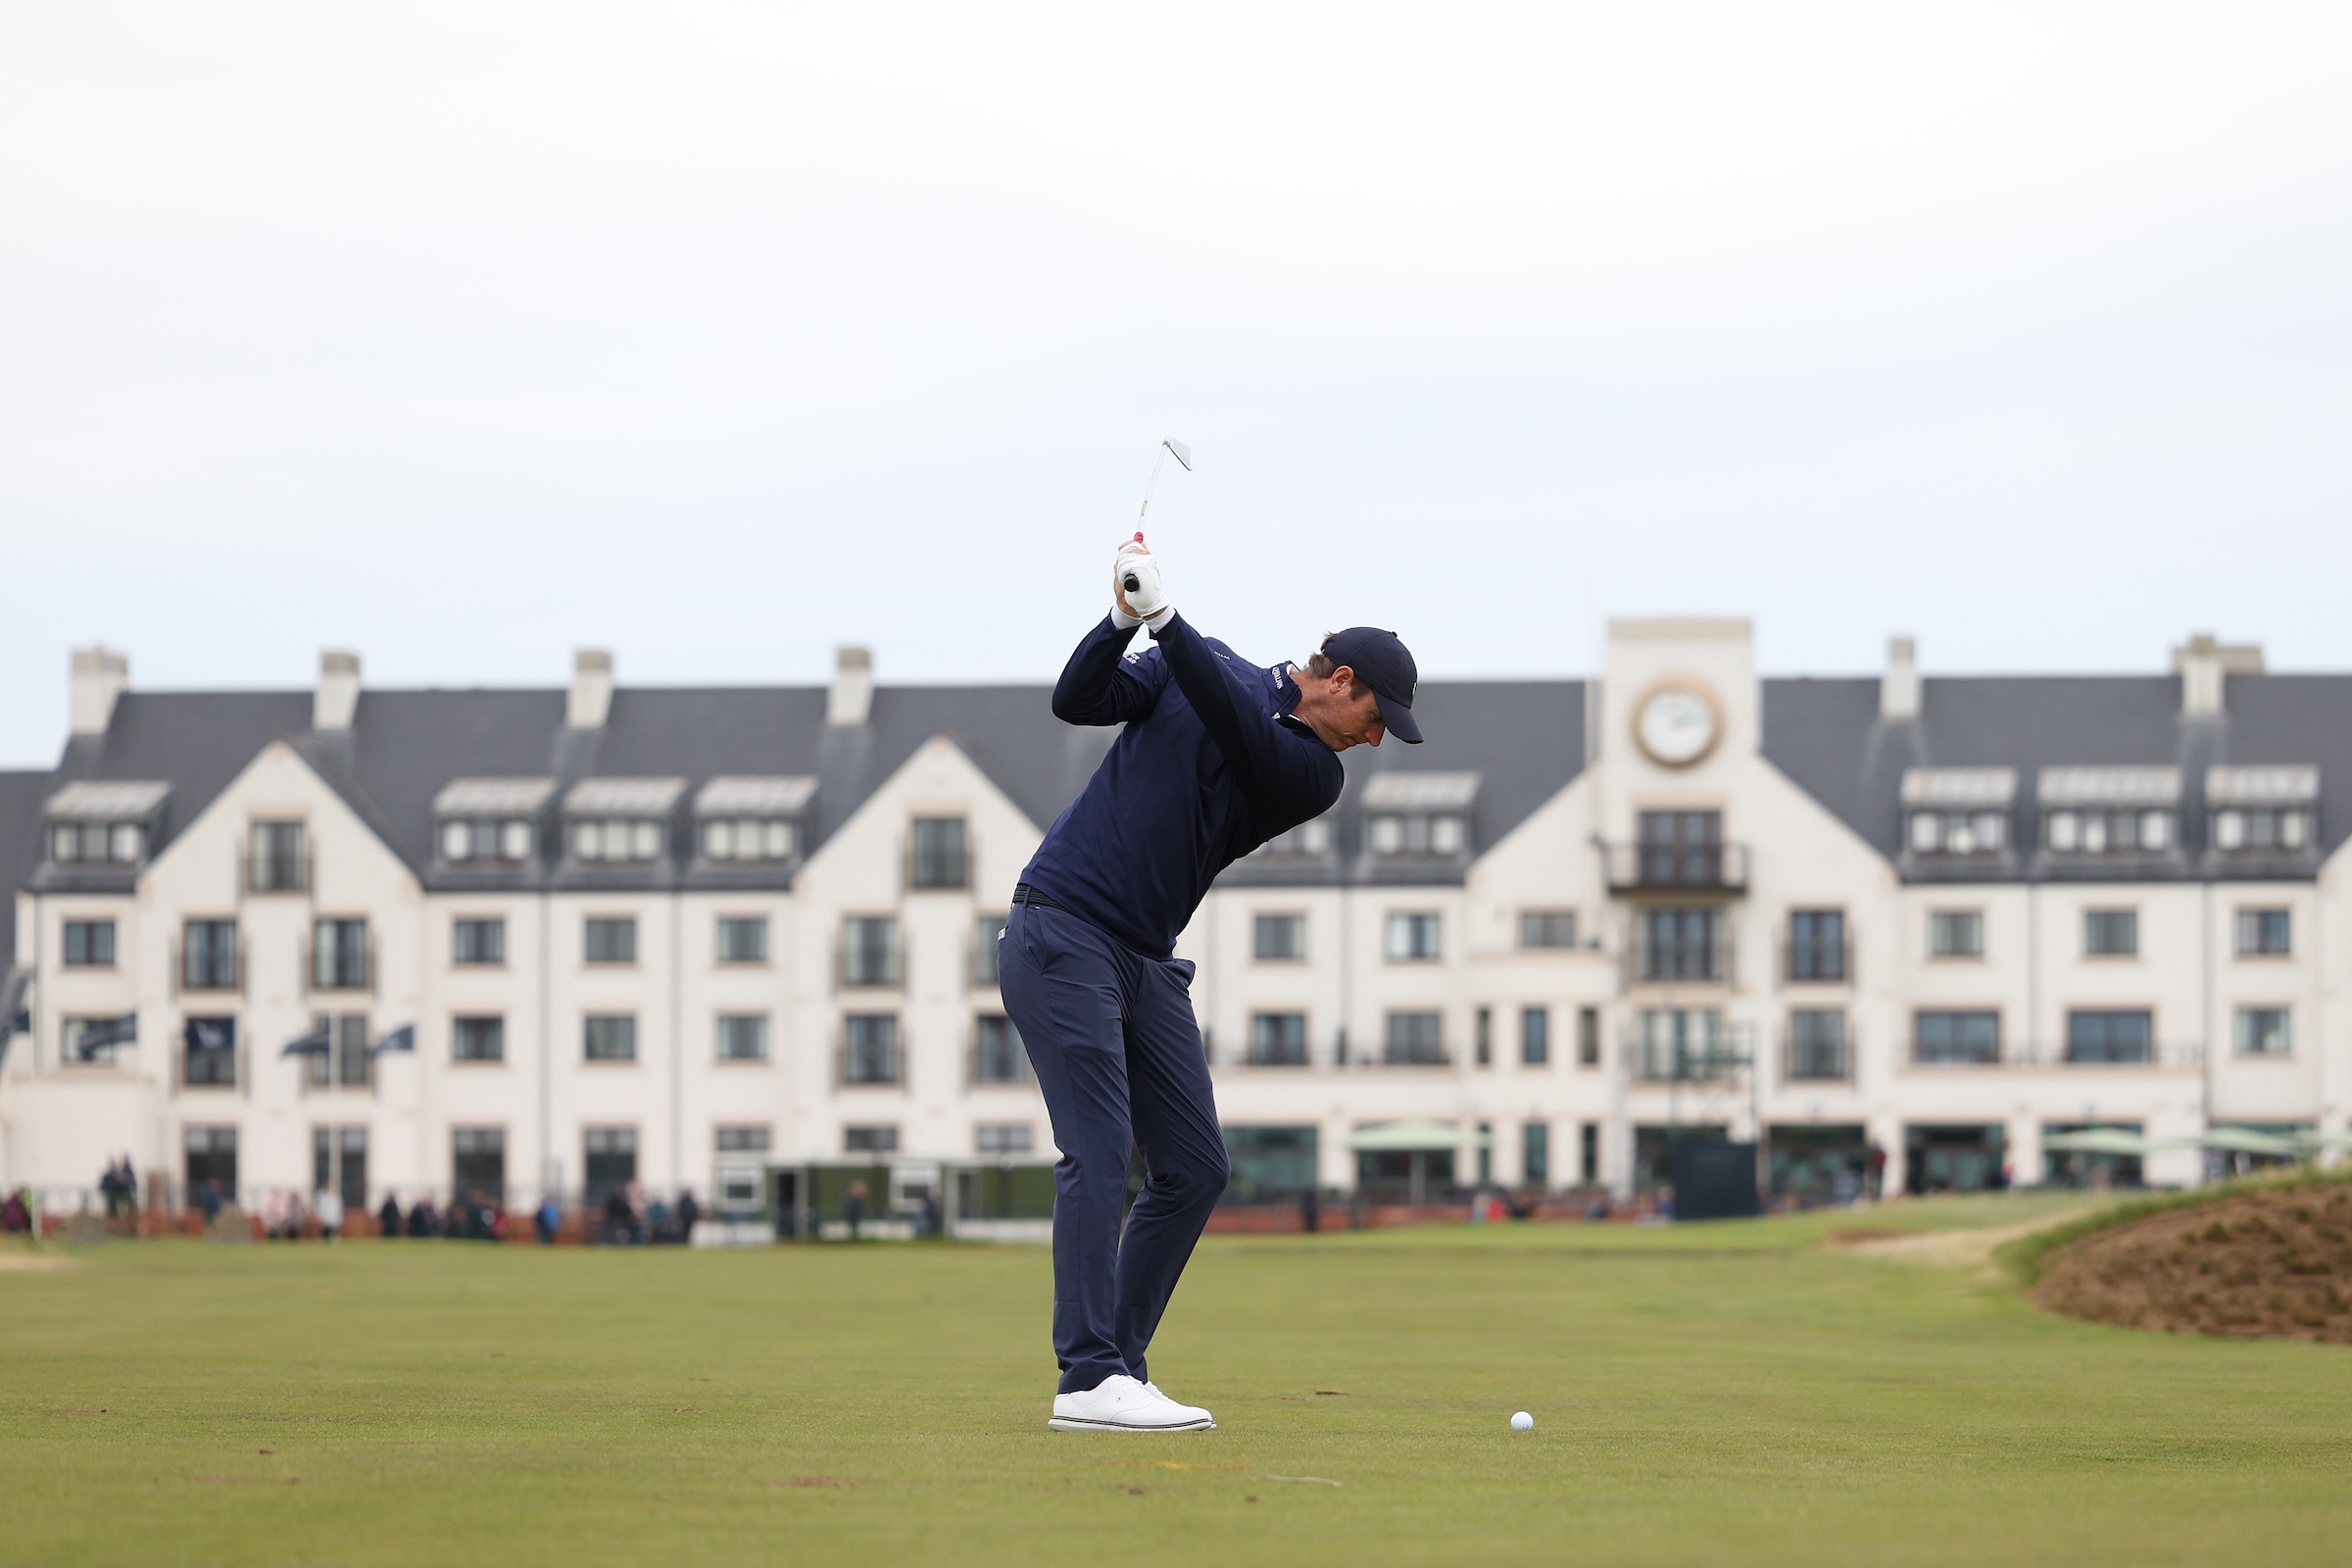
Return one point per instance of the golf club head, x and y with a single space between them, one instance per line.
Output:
1181 453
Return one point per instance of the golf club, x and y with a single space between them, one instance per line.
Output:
1168 448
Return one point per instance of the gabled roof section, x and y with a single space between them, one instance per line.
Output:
22 794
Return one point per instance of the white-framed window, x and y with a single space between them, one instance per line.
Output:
2110 933
477 939
609 939
2109 832
870 950
97 843
749 838
2254 829
1004 1138
89 944
2264 1032
467 839
740 939
1546 928
2265 933
1956 933
741 1037
621 839
1278 938
1441 833
1415 936
1959 833
608 1037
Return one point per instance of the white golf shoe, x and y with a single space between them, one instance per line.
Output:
1119 1403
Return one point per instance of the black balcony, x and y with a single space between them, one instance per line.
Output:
1671 867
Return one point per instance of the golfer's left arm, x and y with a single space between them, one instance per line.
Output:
1283 774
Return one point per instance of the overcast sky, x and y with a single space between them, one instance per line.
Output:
463 336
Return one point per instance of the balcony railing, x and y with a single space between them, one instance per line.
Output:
1817 963
2056 1055
1817 1060
866 1065
1669 867
1660 1061
1704 962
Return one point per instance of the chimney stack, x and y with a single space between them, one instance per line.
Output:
1898 688
853 695
100 675
591 689
2204 664
338 696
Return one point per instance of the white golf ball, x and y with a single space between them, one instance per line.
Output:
1523 1422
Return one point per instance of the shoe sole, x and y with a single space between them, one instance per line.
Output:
1065 1424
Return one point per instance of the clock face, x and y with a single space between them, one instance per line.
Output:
1676 726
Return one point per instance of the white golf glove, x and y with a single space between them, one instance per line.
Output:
1135 573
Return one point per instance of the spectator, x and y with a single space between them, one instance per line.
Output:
110 1188
131 1186
548 1220
387 1218
328 1207
616 1217
16 1215
689 1211
423 1222
1311 1209
209 1198
657 1221
854 1207
1874 1180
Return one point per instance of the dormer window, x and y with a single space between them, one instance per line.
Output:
1306 839
490 821
2110 810
2263 810
1420 813
746 819
621 821
106 823
1957 812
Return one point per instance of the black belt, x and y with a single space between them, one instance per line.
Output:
1023 892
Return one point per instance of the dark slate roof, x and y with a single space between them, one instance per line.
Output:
20 796
1828 737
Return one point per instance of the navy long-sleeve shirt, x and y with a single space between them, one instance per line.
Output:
1211 764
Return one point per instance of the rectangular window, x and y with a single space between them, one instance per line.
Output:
477 941
740 939
869 950
1680 849
997 1057
2108 1037
1588 1153
617 839
1546 928
988 933
2110 933
211 1154
1414 938
608 1037
2265 933
742 1139
1003 1138
1481 1036
1817 1044
339 1164
2262 830
465 839
338 955
1414 1040
742 1037
275 861
870 1139
97 843
479 1039
1817 944
344 1061
1278 938
1535 1035
1959 832
2262 1032
89 944
1681 1045
1278 1040
207 955
1946 1039
2109 832
477 1164
79 1047
1956 934
1535 1155
208 1053
937 855
608 1162
1680 945
609 939
870 1048
748 838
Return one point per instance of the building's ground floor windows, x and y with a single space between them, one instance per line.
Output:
339 1164
1817 1164
209 1169
1535 1155
739 1169
477 1165
1405 1175
1967 1157
608 1162
2090 1167
870 1139
1588 1154
1271 1164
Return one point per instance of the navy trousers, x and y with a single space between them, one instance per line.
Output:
1118 1055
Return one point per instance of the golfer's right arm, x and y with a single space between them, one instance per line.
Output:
1101 686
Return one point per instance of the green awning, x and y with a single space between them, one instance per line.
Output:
1411 1137
2100 1141
2246 1141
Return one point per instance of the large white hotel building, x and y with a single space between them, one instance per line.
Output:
719 937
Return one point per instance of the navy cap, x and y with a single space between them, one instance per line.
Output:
1382 661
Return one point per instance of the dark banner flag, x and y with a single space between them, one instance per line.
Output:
211 1034
320 1042
403 1038
100 1032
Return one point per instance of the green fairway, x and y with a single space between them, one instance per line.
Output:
1737 1392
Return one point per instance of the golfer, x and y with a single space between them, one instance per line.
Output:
1217 756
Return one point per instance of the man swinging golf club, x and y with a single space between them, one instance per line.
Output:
1217 756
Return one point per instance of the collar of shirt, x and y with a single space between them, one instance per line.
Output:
1287 693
